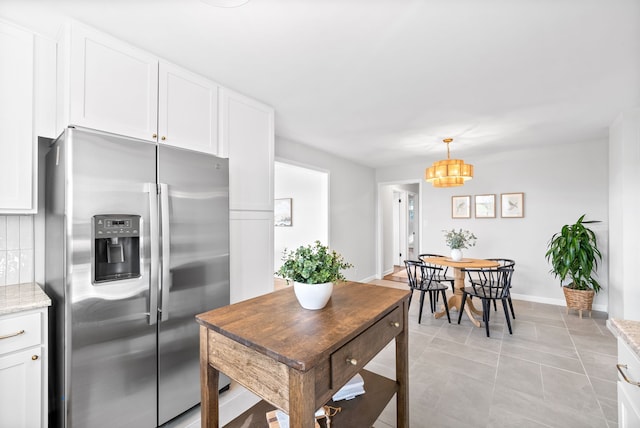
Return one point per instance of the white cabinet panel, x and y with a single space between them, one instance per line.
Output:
251 254
20 389
113 86
188 110
23 371
16 120
247 134
628 394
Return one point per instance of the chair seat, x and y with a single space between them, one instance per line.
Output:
484 292
434 286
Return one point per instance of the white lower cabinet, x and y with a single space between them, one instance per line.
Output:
628 390
23 359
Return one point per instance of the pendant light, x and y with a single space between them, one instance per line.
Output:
448 172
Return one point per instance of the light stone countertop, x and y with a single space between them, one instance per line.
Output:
628 331
22 297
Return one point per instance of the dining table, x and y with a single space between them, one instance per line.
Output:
455 301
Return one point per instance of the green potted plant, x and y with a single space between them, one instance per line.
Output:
313 270
573 253
457 241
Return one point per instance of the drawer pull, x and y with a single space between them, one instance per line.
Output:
34 357
352 361
18 333
624 366
394 324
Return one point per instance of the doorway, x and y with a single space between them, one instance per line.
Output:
398 225
304 194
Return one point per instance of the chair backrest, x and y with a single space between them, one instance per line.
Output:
421 275
443 269
490 283
505 262
414 273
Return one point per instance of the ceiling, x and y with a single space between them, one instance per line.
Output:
382 82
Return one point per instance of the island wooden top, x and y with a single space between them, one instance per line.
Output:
464 263
277 326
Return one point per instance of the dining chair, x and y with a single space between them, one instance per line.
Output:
442 275
422 278
488 285
507 264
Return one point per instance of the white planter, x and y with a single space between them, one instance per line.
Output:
456 255
313 296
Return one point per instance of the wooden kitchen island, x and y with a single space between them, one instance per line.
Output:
296 359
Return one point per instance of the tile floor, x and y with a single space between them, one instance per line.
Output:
556 370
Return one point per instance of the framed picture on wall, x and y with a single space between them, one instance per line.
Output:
512 205
282 212
461 206
485 206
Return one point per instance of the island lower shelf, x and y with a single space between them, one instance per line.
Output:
363 410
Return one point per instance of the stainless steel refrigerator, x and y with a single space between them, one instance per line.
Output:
137 243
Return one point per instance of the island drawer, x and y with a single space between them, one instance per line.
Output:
352 357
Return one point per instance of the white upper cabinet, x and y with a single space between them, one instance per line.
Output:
27 109
117 88
16 118
247 139
112 86
188 110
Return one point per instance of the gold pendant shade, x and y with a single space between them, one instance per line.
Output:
449 172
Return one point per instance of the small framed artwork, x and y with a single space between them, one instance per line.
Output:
282 212
461 207
485 206
512 205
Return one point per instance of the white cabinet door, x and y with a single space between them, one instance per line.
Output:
113 86
20 389
628 392
16 120
250 254
628 416
247 135
188 110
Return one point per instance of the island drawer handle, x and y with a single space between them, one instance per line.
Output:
17 333
352 361
624 366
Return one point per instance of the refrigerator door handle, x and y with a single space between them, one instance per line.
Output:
166 252
155 253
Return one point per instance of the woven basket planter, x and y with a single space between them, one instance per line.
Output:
580 300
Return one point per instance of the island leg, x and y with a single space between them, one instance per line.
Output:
209 395
302 398
402 373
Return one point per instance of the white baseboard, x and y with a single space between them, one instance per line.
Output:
550 301
368 279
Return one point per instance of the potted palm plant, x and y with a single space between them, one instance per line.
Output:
313 270
573 253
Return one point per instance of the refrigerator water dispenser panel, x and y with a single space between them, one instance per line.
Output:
116 247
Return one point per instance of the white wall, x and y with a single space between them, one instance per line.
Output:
387 205
559 182
309 191
351 204
624 206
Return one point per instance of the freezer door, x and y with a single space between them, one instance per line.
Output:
110 339
195 268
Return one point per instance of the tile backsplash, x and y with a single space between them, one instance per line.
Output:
16 249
